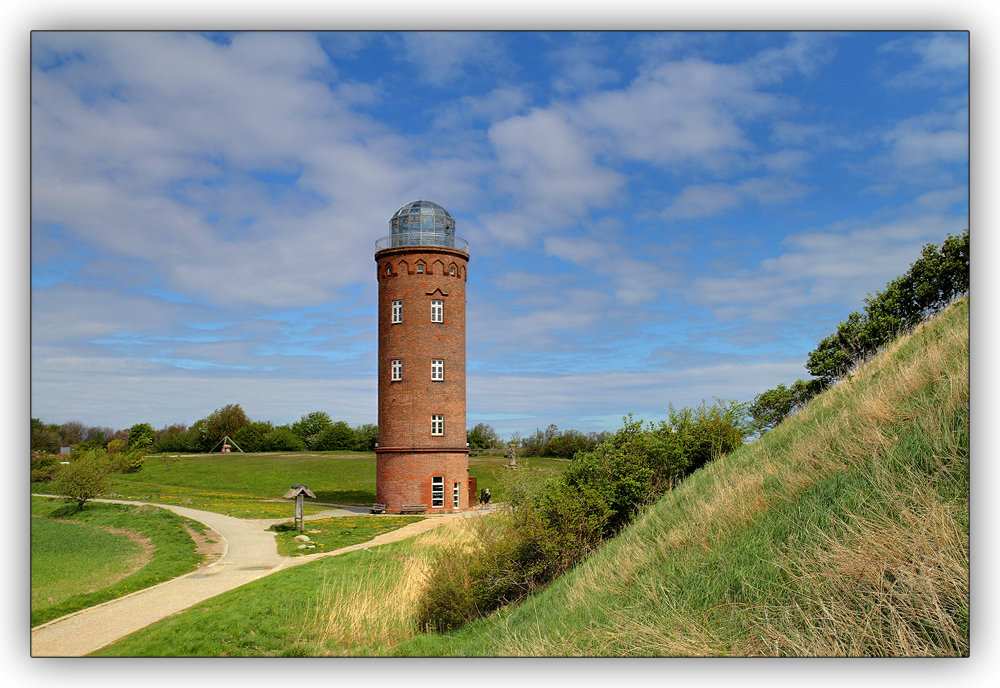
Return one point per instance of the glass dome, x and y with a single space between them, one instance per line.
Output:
422 223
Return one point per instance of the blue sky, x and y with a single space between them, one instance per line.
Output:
652 218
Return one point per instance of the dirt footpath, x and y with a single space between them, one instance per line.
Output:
249 552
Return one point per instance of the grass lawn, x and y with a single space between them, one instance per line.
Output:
100 558
329 534
76 564
357 603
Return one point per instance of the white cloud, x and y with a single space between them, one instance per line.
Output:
822 267
712 199
943 65
930 139
444 56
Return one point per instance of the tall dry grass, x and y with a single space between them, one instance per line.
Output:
374 607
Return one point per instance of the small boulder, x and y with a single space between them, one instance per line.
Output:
302 546
301 538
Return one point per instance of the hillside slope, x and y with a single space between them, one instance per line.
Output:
844 531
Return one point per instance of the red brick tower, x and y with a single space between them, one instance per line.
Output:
422 456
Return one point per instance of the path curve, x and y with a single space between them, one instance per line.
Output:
250 553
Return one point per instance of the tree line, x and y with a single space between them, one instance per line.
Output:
934 280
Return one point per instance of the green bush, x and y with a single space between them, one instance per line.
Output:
552 527
44 466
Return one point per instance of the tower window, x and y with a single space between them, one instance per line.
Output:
420 268
437 368
437 311
437 491
397 370
437 425
451 271
455 496
397 311
388 270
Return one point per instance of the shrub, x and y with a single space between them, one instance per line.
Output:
84 479
44 466
552 527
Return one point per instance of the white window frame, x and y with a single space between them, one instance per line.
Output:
397 311
420 268
451 271
437 369
437 491
437 310
437 425
397 370
456 496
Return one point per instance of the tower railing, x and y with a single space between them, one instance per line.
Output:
403 240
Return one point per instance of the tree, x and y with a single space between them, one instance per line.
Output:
141 436
771 407
483 436
312 424
367 434
224 421
339 436
84 479
250 437
44 438
72 433
934 280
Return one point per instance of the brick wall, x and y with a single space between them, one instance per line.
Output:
409 454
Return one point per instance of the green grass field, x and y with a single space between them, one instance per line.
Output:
100 558
76 564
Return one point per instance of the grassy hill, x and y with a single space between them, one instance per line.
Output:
844 531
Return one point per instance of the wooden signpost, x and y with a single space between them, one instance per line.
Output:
299 492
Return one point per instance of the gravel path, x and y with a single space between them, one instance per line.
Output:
250 552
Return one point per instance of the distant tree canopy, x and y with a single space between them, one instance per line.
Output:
483 436
312 424
224 421
250 438
339 436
